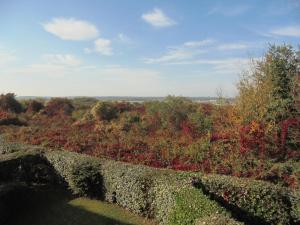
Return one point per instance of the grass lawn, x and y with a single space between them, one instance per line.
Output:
57 207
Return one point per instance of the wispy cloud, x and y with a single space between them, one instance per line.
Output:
225 65
102 46
71 29
158 18
61 59
233 46
288 31
233 10
191 50
185 51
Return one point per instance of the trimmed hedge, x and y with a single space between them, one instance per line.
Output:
26 166
79 172
259 200
218 219
192 204
161 194
170 197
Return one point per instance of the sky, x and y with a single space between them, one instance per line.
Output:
137 48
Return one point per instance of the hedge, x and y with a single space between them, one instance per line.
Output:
79 172
153 193
257 200
192 204
218 219
168 196
26 166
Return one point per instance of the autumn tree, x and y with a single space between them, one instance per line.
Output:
104 111
267 90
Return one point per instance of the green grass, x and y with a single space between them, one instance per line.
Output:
57 207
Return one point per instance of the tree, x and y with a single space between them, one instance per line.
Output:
59 106
267 91
8 103
34 106
104 111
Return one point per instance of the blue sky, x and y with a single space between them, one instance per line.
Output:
137 48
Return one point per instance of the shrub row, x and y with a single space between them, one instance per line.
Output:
164 195
79 172
218 219
258 200
26 166
167 196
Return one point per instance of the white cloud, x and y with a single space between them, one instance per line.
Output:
103 46
291 31
68 60
185 51
157 18
71 29
193 44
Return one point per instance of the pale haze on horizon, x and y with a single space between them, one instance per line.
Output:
137 48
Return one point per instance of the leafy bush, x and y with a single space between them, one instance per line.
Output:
255 199
6 147
34 106
12 121
218 219
104 111
59 106
8 103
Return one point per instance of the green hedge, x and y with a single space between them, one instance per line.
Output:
261 200
79 172
168 196
218 219
26 166
192 204
165 195
127 185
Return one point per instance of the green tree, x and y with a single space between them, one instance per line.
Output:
9 103
104 111
267 91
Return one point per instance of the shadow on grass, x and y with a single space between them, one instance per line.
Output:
52 207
